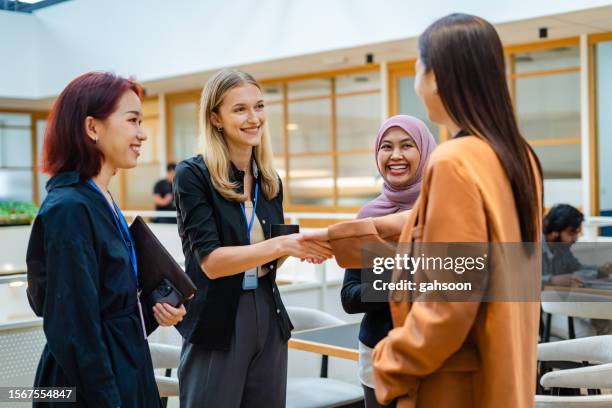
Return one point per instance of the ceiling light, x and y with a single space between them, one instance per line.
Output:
292 126
16 284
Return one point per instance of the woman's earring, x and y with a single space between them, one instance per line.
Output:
96 140
220 129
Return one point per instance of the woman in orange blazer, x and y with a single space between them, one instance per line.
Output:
482 186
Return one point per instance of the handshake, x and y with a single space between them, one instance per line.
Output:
312 246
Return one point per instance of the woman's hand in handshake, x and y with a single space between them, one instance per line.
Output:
298 246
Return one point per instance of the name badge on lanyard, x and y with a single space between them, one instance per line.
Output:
126 237
250 280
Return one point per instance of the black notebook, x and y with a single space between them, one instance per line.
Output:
160 277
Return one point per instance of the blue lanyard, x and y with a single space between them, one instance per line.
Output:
250 223
122 226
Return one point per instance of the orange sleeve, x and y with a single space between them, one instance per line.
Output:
348 238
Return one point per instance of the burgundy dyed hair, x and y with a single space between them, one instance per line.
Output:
67 146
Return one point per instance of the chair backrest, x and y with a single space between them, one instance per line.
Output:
304 318
21 345
165 355
577 305
595 349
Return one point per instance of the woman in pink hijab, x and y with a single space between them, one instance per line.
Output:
402 148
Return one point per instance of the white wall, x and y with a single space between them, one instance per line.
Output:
19 45
154 39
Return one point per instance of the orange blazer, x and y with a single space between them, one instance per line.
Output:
454 354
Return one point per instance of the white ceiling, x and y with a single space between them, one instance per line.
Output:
589 21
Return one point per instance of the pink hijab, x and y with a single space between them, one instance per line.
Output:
392 199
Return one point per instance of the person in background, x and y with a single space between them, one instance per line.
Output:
163 196
560 267
82 268
401 150
235 334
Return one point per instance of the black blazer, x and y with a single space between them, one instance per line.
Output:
80 281
207 221
376 322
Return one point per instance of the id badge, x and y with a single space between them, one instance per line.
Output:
250 279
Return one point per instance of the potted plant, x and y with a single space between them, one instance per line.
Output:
16 213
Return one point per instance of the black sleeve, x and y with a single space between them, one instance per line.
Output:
352 288
157 189
196 211
71 310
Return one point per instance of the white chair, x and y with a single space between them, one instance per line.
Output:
165 356
593 350
21 344
573 305
586 401
316 392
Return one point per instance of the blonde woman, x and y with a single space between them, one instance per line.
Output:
236 329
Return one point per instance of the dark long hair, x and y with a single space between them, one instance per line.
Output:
467 59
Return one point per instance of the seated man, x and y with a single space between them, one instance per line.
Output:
560 267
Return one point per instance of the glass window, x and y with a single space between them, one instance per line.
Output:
410 104
311 180
309 88
279 166
140 182
559 161
15 157
548 107
272 93
367 81
275 120
310 126
546 60
15 119
603 71
149 152
184 131
358 180
16 184
41 124
358 121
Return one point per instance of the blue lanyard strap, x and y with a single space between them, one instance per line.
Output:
250 223
122 226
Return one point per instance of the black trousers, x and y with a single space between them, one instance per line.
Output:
252 374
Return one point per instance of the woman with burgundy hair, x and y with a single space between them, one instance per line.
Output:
82 269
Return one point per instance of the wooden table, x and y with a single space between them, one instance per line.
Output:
337 341
579 290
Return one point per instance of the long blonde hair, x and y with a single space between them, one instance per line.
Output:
213 146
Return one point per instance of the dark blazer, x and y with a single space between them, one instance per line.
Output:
376 321
207 221
82 284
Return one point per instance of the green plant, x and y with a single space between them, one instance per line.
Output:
16 212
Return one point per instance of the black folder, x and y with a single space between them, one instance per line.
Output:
156 264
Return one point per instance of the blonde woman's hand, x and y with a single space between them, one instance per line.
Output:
166 315
319 236
297 246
